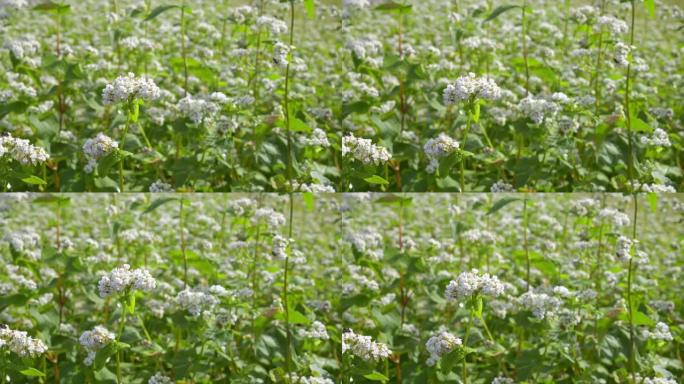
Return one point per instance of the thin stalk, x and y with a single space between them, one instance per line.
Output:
630 304
182 239
122 186
597 71
524 48
287 99
464 140
288 333
630 153
464 372
526 244
122 323
184 50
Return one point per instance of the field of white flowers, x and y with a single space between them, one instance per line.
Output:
353 95
438 288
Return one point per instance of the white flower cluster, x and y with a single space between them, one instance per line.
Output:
275 26
621 54
441 344
615 26
468 284
22 151
97 148
585 206
617 218
197 109
655 188
537 109
20 343
364 347
661 332
469 87
540 304
272 218
364 150
123 278
479 236
314 188
318 138
295 379
161 187
623 247
655 380
241 206
584 14
659 138
367 49
280 53
279 248
95 340
128 87
159 378
317 331
501 187
196 302
502 380
438 147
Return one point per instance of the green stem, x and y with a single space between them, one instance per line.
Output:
122 186
287 98
630 152
465 345
464 140
630 304
182 239
122 323
184 50
526 244
524 48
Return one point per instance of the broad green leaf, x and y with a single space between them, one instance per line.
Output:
51 6
376 376
501 203
499 10
158 203
310 8
32 372
375 179
650 7
159 10
34 180
392 6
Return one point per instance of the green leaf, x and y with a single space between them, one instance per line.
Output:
392 6
501 203
158 203
639 125
375 179
310 8
499 10
159 10
308 198
297 125
103 354
652 199
34 180
650 7
32 372
51 6
376 376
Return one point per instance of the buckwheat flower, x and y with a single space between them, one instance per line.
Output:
659 138
501 187
540 304
441 344
364 150
537 109
196 302
242 206
469 284
129 87
615 26
470 87
296 379
279 249
318 138
280 53
656 380
275 26
97 148
22 151
159 378
161 187
272 218
437 148
96 339
195 109
654 188
621 54
617 218
364 347
502 380
123 278
661 332
584 14
20 343
317 331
